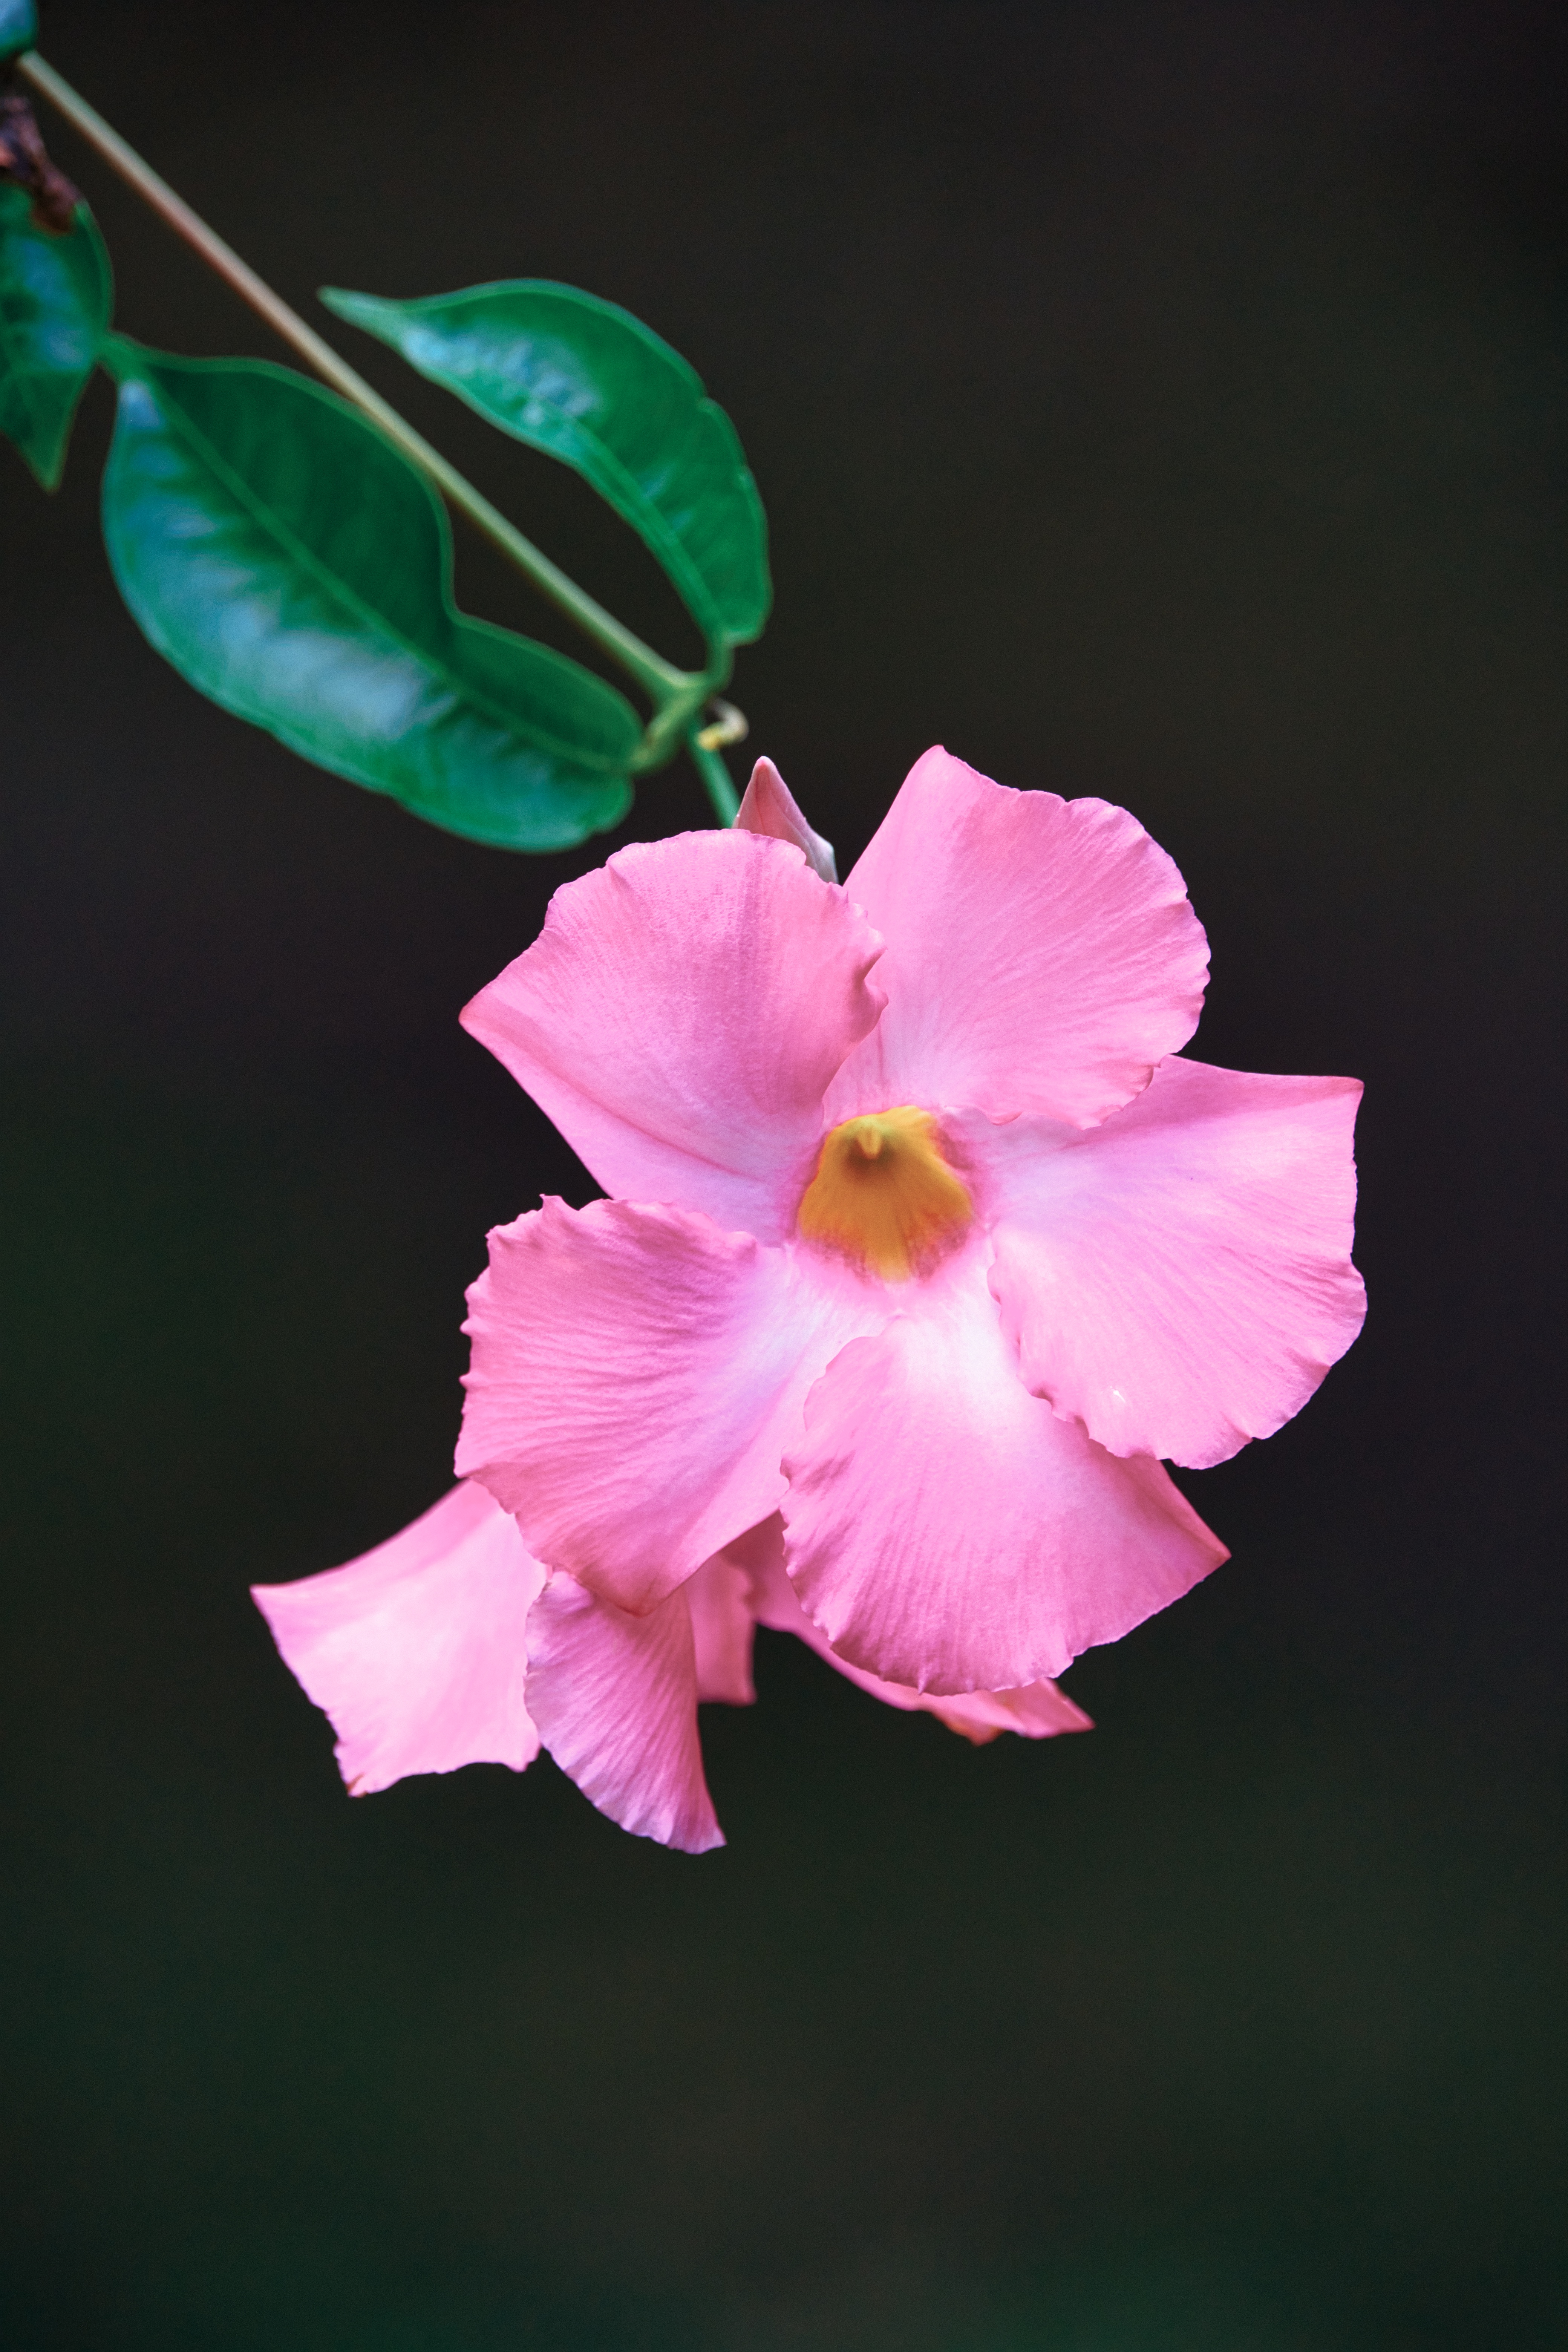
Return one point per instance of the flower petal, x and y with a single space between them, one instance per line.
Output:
719 1598
679 1017
768 807
636 1375
1041 953
415 1650
1179 1278
1037 1711
946 1529
614 1697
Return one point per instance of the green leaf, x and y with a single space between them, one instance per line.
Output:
277 550
591 385
56 295
18 28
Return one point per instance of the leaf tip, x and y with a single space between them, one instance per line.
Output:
344 303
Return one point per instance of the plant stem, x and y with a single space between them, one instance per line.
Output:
661 679
716 778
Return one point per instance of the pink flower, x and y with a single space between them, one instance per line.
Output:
449 1645
923 1249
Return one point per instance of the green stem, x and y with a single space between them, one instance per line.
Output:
671 722
659 680
716 781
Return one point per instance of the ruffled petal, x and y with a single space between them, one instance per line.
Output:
946 1530
614 1697
1041 953
1037 1712
679 1017
636 1374
415 1651
1179 1278
769 806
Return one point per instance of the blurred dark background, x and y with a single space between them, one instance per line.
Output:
1160 402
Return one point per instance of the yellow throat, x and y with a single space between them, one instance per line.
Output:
883 1196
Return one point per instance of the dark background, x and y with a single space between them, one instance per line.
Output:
1160 402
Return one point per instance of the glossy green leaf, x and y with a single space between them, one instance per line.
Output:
585 381
277 550
18 28
55 294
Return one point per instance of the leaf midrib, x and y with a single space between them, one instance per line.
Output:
659 533
270 523
645 518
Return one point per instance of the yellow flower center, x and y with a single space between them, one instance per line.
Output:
883 1196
